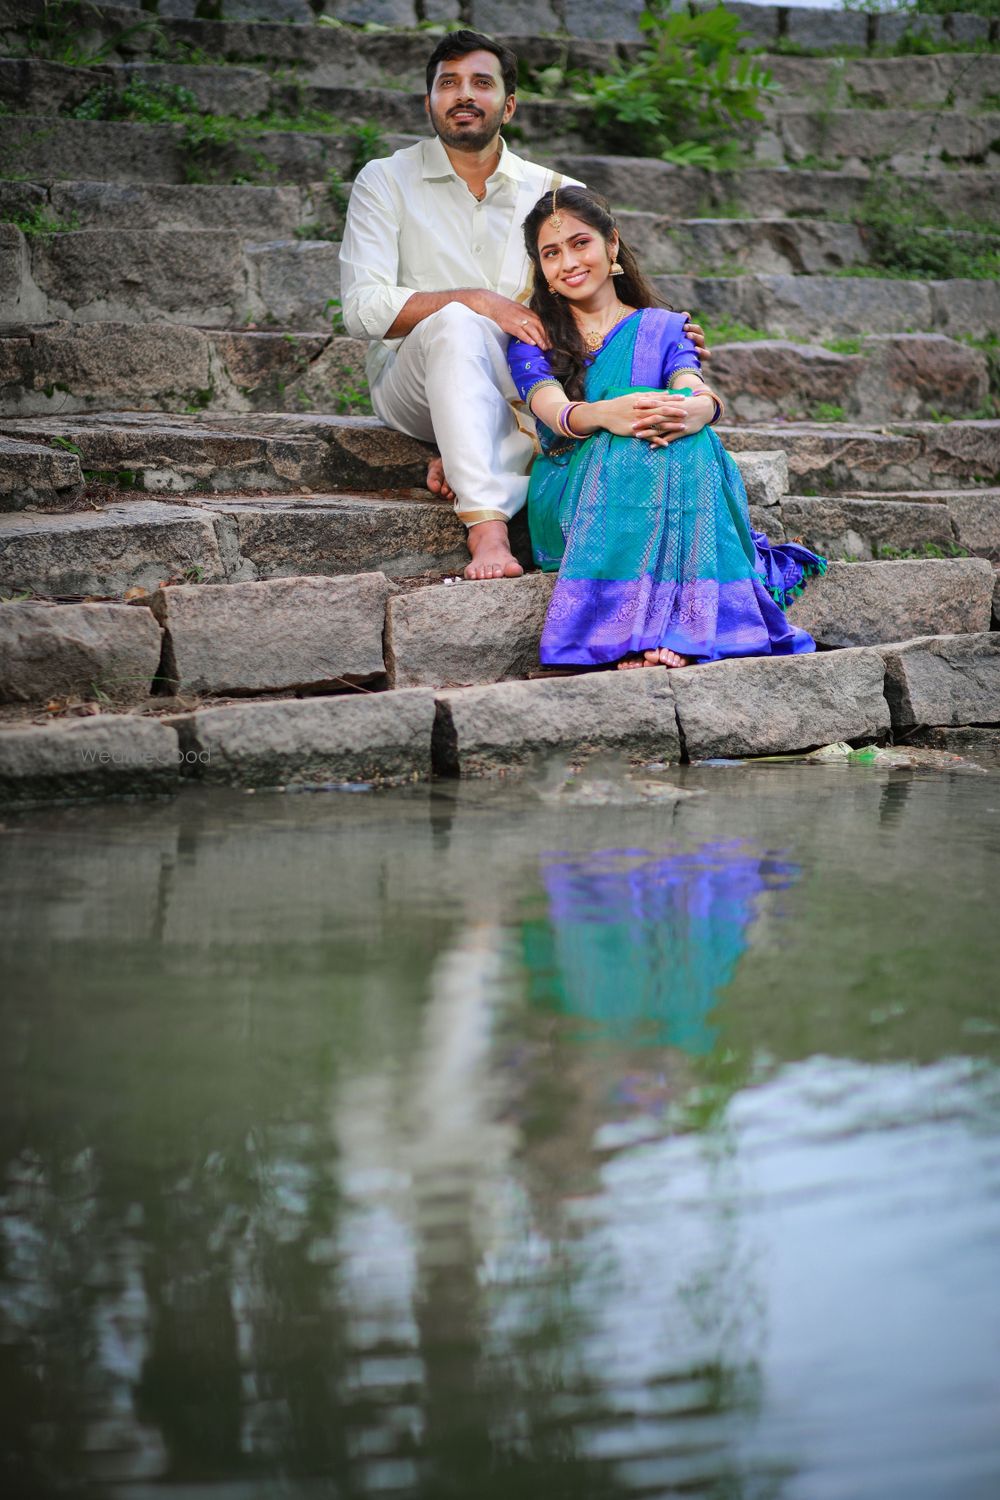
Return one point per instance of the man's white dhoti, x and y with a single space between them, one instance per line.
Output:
449 384
413 226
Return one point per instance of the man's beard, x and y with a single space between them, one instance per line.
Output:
467 137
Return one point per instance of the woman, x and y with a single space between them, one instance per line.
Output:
634 499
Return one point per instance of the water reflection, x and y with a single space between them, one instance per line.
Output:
330 1167
641 943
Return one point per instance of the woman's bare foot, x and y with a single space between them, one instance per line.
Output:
437 482
664 657
628 662
491 554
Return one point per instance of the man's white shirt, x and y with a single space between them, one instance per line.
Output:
413 226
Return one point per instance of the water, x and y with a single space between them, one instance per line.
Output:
456 1143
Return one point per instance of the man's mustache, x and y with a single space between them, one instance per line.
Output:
466 109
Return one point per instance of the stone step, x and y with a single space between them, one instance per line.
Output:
41 88
797 246
244 35
892 377
252 211
356 59
742 707
120 543
274 452
125 544
40 146
781 192
269 454
844 459
845 529
943 680
791 131
946 80
812 247
367 737
461 634
863 523
749 706
38 86
317 633
67 368
38 475
821 307
951 81
211 277
906 140
96 652
104 552
64 368
867 603
214 278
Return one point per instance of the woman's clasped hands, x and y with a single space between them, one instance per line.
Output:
658 417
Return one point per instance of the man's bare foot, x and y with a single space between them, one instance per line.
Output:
664 657
491 554
436 481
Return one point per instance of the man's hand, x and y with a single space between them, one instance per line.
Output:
513 317
697 337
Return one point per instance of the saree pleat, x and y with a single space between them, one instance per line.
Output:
653 546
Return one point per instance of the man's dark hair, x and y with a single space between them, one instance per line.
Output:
461 43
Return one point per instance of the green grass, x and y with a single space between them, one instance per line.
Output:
886 552
827 411
205 134
172 104
728 331
843 346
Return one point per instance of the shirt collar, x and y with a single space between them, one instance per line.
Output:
437 164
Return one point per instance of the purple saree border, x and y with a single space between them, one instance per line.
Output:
598 621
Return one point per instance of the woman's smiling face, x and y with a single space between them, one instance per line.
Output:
575 259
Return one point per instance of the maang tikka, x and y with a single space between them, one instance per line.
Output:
555 218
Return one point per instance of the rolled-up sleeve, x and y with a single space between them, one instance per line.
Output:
370 294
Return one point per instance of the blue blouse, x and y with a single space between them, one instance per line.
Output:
529 365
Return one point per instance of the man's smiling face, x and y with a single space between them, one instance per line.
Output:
467 104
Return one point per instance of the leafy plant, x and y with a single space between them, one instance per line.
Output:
154 104
687 95
828 411
56 28
66 445
37 220
369 143
907 236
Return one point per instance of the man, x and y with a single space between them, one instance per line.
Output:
435 274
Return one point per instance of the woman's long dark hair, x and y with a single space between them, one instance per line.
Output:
569 355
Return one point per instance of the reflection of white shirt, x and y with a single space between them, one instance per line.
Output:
413 226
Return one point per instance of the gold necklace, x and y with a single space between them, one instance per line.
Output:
594 337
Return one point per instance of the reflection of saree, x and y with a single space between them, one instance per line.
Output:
653 545
642 944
